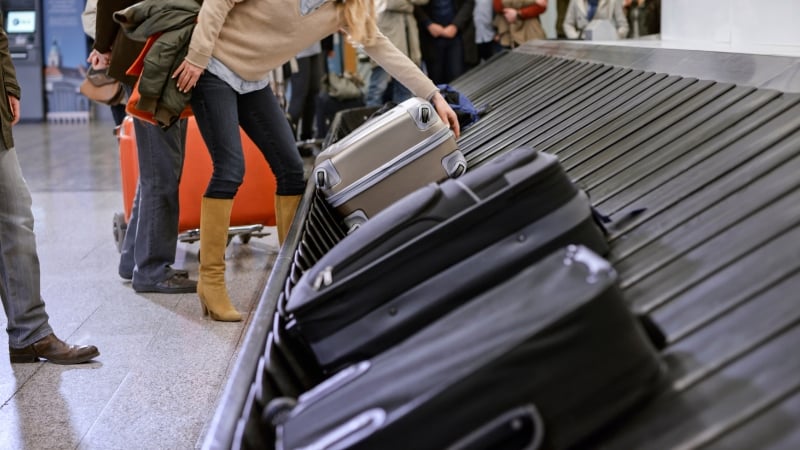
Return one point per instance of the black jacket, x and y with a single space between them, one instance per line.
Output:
108 36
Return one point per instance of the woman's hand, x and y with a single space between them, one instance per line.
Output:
446 113
99 61
186 76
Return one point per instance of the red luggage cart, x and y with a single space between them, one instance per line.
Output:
253 207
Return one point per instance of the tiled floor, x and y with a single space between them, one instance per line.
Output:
162 365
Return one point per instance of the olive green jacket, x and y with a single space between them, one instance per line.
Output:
10 86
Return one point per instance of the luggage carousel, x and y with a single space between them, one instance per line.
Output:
694 157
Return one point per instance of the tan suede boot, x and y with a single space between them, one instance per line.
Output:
285 209
215 217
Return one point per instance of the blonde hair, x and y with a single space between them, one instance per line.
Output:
358 17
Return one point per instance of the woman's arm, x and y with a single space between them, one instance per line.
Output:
89 18
209 23
400 67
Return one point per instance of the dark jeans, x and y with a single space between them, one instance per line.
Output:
305 89
148 250
220 111
488 49
447 62
118 113
152 233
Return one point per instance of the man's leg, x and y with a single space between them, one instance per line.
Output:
30 336
19 262
161 155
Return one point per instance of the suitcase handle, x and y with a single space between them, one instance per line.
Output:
424 114
347 434
520 428
594 263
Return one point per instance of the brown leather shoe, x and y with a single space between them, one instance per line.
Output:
54 350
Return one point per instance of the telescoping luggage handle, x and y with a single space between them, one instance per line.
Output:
520 428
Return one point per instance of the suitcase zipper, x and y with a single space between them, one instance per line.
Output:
388 168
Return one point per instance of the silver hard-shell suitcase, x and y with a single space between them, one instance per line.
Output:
385 158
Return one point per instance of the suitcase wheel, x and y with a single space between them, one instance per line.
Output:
454 164
278 410
354 220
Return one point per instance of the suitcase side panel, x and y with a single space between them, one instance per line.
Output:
426 168
372 145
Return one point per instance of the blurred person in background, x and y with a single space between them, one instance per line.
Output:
396 21
304 89
30 336
447 38
644 17
580 13
517 21
485 32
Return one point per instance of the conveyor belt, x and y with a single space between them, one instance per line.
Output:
710 166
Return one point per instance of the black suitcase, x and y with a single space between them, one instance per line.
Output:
557 338
393 271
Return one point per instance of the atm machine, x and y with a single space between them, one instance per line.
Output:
22 20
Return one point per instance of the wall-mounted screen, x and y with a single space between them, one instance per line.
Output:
21 22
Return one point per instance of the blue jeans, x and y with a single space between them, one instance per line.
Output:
148 250
19 263
219 111
379 82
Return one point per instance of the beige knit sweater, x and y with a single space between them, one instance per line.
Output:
252 37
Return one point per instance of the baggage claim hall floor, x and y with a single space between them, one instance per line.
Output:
162 365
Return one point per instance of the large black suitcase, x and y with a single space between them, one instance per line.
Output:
556 338
432 249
